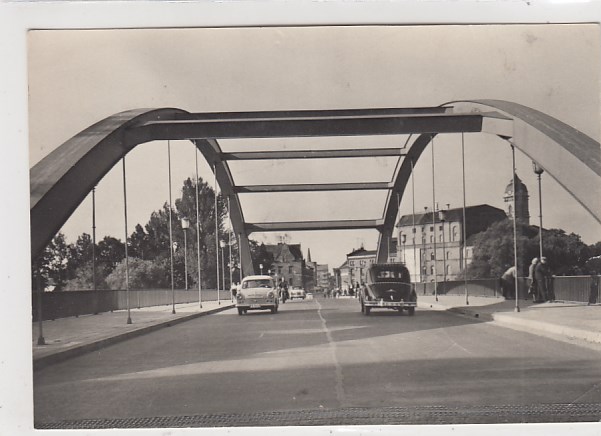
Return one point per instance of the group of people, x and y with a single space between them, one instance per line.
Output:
540 281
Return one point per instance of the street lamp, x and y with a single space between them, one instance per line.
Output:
222 244
185 227
403 240
538 171
261 268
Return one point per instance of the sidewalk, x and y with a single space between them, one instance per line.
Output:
568 322
73 336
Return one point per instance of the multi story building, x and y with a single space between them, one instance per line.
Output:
358 261
433 245
323 277
288 264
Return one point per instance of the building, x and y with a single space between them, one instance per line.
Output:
323 277
288 264
358 261
521 201
343 277
432 245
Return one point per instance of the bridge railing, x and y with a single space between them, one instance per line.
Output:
581 289
74 303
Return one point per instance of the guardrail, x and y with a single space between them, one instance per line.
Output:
74 303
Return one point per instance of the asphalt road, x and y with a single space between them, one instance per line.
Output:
323 362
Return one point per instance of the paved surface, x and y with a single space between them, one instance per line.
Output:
322 362
69 337
564 321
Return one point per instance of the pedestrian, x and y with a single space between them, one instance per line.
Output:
543 277
507 281
532 279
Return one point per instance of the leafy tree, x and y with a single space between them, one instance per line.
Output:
493 250
110 252
261 256
143 274
53 264
83 279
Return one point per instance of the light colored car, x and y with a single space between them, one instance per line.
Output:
296 292
257 293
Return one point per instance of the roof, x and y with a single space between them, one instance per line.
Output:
361 252
477 218
280 250
521 187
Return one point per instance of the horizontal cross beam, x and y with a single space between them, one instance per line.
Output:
304 127
313 154
312 225
313 113
313 187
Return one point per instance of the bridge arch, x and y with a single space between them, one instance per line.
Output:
558 148
61 180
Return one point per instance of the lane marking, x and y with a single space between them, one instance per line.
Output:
340 395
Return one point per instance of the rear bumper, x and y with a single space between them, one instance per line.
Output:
389 304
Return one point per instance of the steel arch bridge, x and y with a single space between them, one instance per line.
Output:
61 181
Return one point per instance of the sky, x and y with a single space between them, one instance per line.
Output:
78 77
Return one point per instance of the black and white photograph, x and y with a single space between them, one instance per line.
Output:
317 226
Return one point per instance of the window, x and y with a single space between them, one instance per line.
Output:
279 270
290 269
431 228
448 269
448 255
432 255
455 233
266 283
431 238
432 270
440 228
440 238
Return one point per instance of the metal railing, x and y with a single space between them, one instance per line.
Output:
580 289
74 303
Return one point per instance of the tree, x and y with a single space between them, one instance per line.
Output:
143 274
261 256
53 264
110 252
493 250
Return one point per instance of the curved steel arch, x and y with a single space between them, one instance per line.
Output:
62 180
558 148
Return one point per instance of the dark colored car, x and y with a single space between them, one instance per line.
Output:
388 287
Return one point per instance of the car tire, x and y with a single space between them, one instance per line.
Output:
240 311
367 310
274 309
411 311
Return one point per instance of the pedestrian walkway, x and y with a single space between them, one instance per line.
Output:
571 322
69 337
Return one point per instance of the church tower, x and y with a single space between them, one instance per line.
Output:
521 201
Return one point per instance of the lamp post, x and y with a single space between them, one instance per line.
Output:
442 216
185 227
261 268
403 240
538 171
222 244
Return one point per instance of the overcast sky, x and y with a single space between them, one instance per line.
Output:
77 78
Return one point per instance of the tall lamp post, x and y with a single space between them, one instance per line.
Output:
261 268
185 227
538 171
222 244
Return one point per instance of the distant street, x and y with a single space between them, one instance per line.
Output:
322 355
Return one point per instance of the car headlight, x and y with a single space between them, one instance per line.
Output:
270 294
239 297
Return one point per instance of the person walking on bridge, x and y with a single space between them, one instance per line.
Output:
543 277
508 283
532 290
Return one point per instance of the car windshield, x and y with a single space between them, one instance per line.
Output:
264 283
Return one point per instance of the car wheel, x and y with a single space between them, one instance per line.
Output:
240 311
362 307
367 310
411 310
274 310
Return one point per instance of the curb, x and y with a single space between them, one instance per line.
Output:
77 350
546 328
526 325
